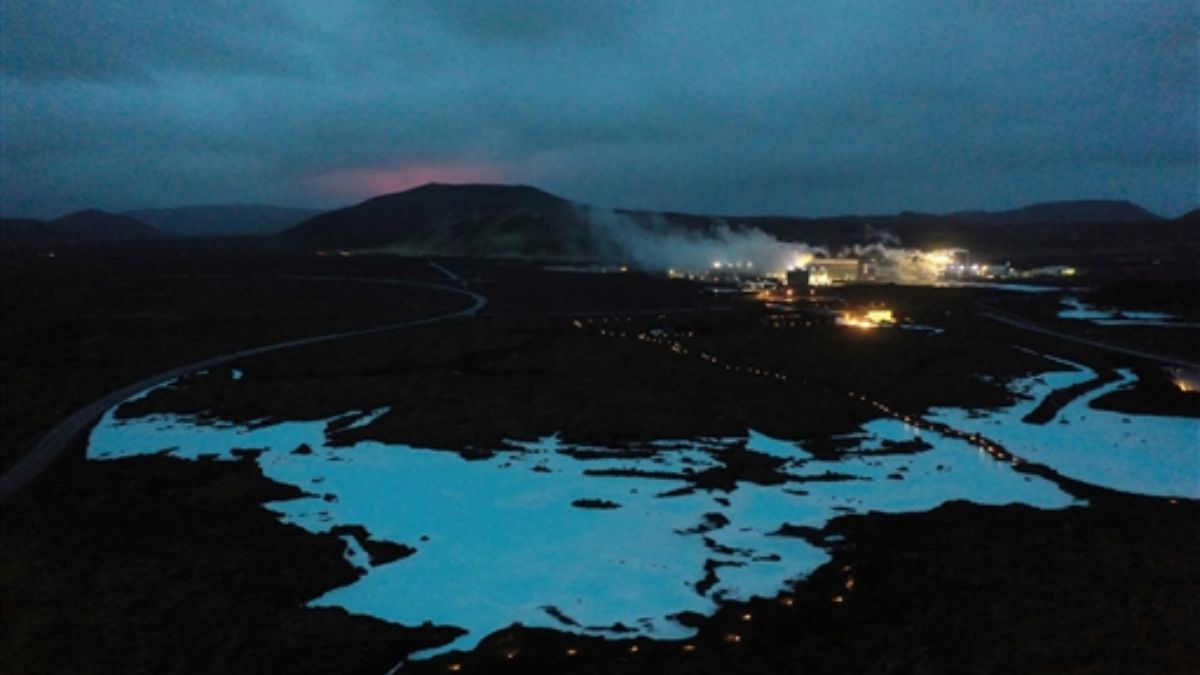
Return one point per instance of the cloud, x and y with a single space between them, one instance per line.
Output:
535 21
127 39
810 108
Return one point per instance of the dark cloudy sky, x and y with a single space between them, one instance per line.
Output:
815 107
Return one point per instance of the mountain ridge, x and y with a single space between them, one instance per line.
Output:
1069 211
223 220
80 227
417 220
523 221
453 220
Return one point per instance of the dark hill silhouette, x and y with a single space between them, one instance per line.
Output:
490 220
1192 217
1065 212
94 224
22 228
223 220
521 221
89 227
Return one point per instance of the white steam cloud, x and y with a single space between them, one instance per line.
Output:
650 242
905 265
658 245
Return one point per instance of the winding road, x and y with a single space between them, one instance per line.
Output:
50 446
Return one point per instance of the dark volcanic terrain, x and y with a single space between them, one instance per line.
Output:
158 565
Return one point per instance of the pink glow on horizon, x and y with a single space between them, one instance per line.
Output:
361 183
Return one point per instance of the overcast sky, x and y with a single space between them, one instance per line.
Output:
807 108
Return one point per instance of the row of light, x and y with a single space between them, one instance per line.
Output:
794 323
677 347
990 447
731 638
512 654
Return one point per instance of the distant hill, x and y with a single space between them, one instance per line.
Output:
521 221
484 220
1122 235
1192 216
21 228
517 221
94 224
1061 213
82 227
223 220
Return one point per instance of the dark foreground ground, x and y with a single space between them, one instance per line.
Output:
153 565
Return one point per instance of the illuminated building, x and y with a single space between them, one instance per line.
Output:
819 277
838 270
869 318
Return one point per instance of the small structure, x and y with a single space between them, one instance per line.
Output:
797 278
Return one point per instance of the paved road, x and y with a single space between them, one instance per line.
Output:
446 271
50 446
1030 326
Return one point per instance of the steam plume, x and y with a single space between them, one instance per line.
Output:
652 243
905 265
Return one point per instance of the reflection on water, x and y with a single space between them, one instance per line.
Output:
503 540
1143 454
618 542
1000 286
1080 311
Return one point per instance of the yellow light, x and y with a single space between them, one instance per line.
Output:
454 667
733 638
747 616
800 261
880 316
837 599
689 648
856 322
633 649
571 651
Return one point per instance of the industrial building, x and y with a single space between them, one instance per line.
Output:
826 272
797 278
839 270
